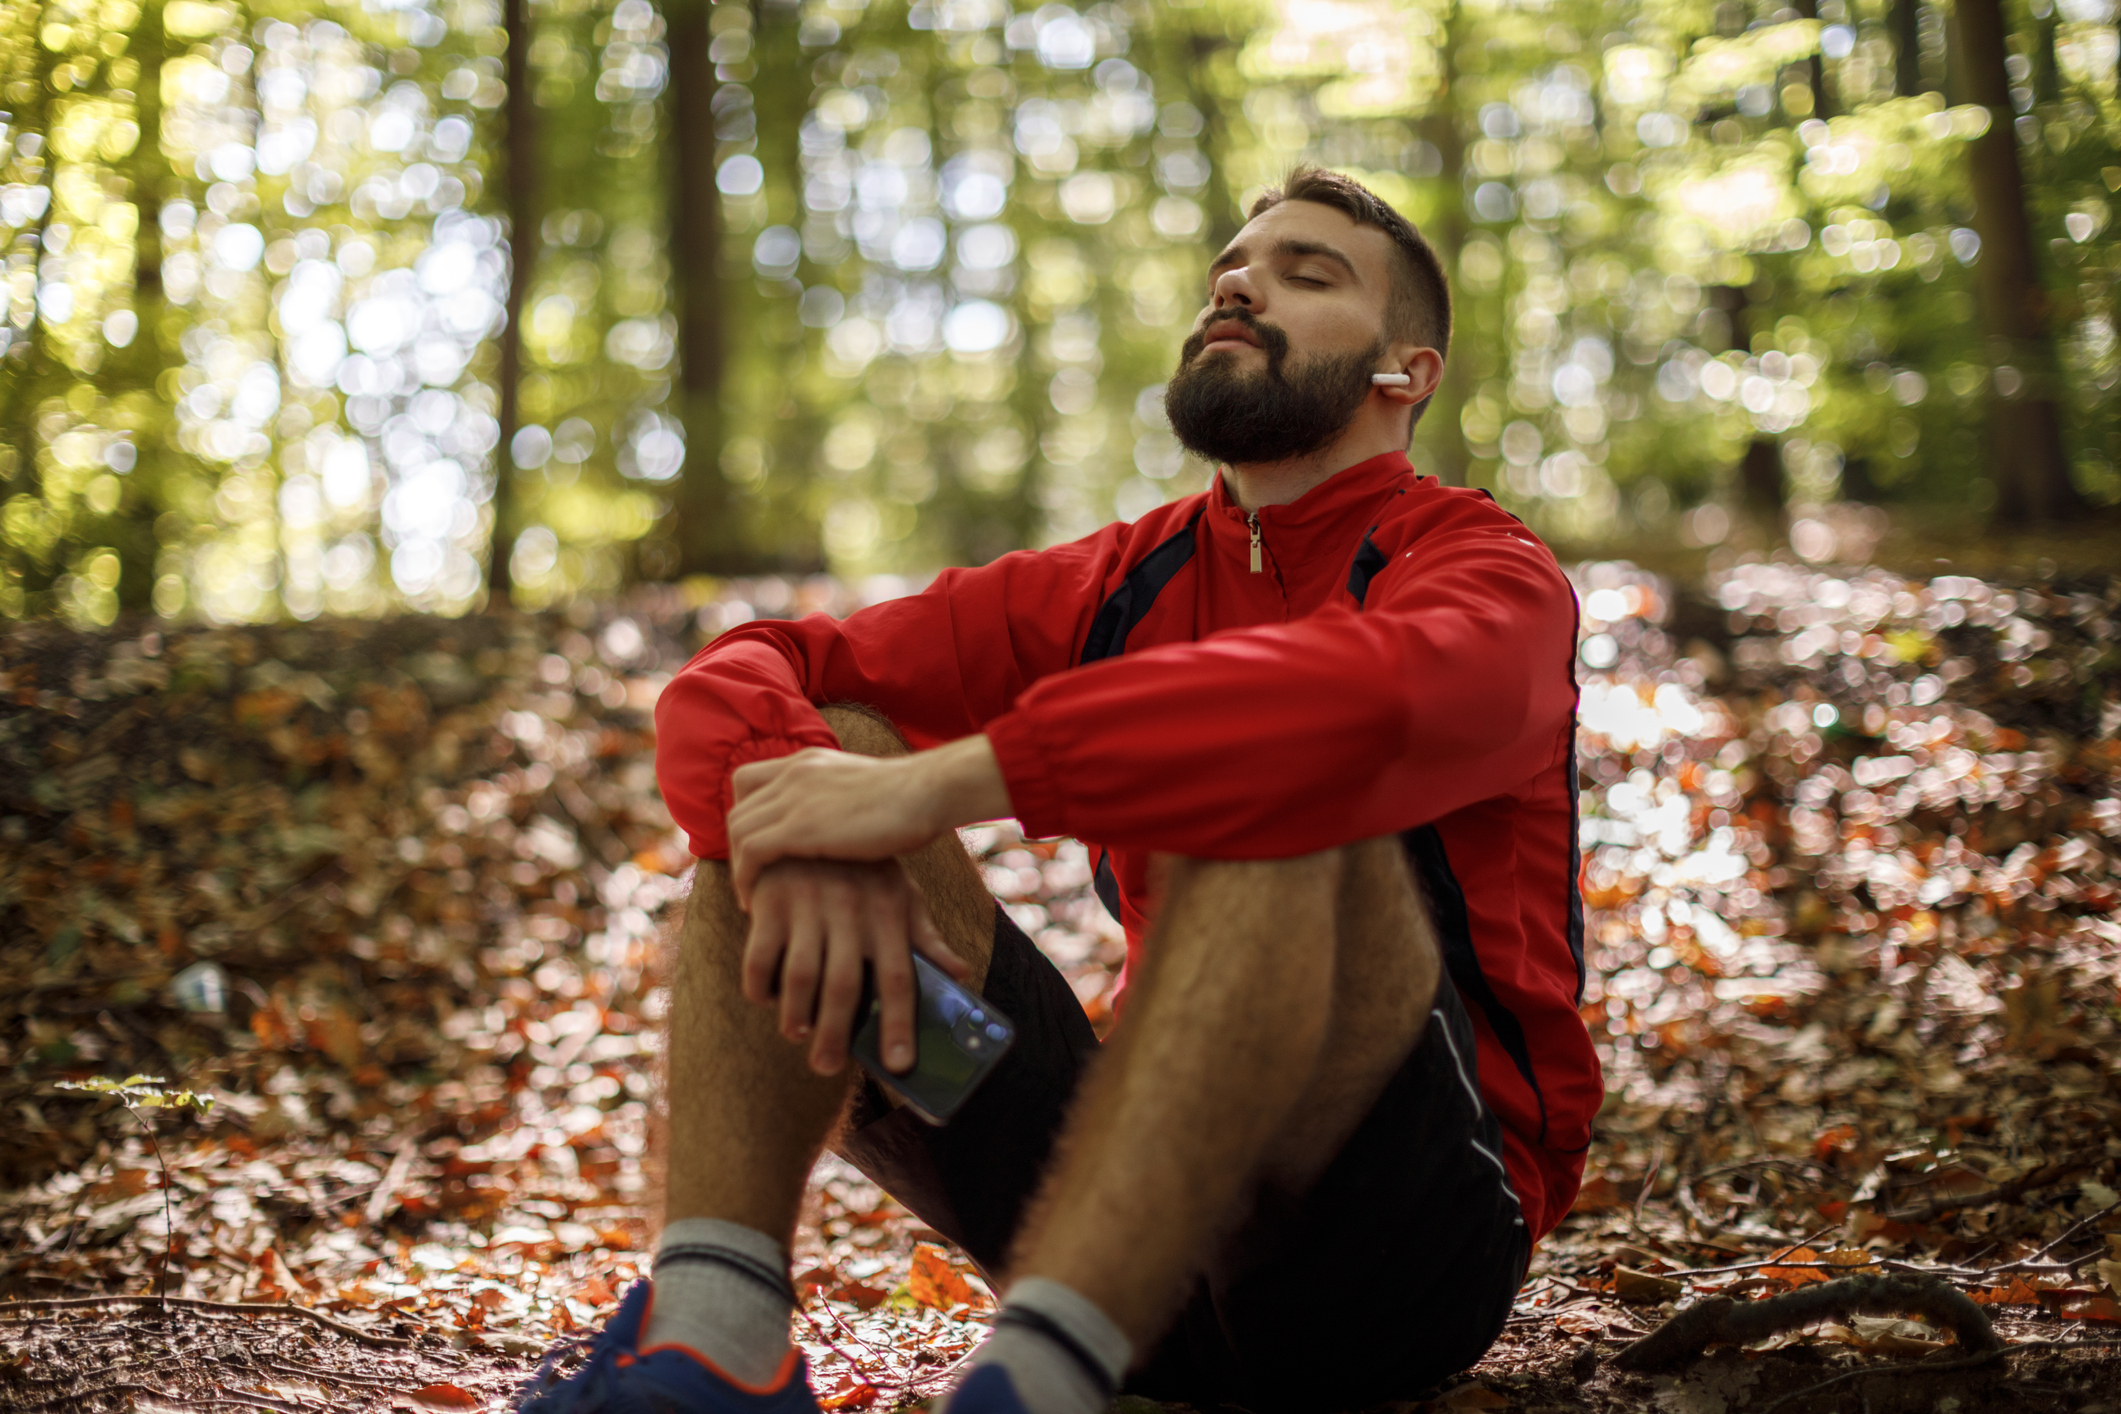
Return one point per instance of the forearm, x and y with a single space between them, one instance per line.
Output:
962 782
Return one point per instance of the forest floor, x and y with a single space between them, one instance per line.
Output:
391 894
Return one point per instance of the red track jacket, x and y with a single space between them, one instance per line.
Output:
1401 663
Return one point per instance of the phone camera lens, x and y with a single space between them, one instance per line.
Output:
977 1017
995 1030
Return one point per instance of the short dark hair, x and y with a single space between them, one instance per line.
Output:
1420 305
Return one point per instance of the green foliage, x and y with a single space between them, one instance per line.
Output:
141 1092
257 259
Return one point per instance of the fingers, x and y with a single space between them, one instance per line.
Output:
895 987
763 947
927 939
846 952
800 971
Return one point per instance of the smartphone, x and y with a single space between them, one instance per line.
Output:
958 1038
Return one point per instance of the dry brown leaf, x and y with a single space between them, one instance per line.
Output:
1631 1285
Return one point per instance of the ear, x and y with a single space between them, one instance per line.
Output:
1424 370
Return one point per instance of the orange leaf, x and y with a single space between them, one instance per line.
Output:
2018 1293
854 1293
934 1282
1840 1137
849 1393
1600 1195
1796 1276
2091 1308
445 1397
596 1292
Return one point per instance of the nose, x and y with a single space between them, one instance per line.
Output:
1234 287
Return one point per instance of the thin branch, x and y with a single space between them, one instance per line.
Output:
2003 1193
21 1311
2032 1263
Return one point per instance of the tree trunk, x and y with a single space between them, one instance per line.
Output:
1444 130
143 364
28 367
1762 498
2030 465
1907 43
1815 67
520 197
706 519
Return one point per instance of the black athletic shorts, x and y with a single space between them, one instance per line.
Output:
1396 1271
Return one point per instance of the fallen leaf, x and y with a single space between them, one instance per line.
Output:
855 1293
934 1282
1577 1321
2110 1273
2018 1293
1472 1396
1889 1335
440 1396
1796 1276
849 1393
2090 1308
1631 1285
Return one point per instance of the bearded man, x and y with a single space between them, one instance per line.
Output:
1317 725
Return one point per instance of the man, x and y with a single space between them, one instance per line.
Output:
1317 723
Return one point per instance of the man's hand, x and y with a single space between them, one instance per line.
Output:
821 804
814 924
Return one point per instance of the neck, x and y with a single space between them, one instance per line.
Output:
1255 484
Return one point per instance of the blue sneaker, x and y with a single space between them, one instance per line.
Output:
987 1390
620 1378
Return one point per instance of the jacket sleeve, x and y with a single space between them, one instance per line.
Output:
939 664
1454 683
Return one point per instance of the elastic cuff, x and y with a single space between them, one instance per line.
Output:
1034 791
1072 1321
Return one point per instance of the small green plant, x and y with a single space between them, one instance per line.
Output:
139 1093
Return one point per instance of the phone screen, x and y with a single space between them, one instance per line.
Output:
957 1039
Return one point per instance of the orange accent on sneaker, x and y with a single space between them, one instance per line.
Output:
773 1386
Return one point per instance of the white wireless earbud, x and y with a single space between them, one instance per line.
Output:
1390 380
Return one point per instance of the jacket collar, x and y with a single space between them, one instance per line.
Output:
1345 496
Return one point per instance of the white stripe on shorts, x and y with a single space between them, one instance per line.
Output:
1436 1018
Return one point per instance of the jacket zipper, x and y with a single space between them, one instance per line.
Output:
1253 521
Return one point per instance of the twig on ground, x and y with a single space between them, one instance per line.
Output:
1774 1261
72 1399
2039 1178
1721 1319
400 1166
1649 1181
2033 1263
21 1311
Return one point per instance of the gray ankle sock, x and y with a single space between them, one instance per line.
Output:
1062 1353
722 1289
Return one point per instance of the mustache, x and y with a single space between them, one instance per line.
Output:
1270 336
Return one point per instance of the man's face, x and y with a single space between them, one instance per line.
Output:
1281 358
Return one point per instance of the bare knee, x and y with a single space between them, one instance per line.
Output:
864 730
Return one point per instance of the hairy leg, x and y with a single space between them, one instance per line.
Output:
1385 968
1275 999
747 1116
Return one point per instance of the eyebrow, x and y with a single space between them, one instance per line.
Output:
1234 254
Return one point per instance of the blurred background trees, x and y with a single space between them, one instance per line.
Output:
340 307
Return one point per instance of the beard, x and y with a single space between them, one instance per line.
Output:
1222 413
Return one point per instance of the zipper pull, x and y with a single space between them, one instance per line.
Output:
1253 521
